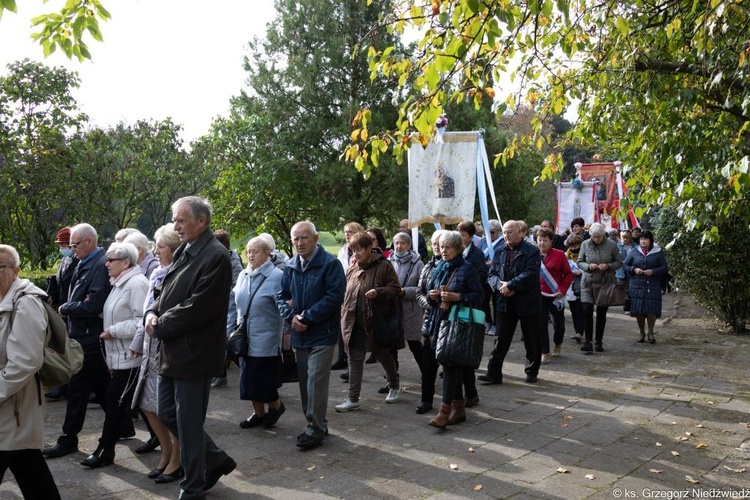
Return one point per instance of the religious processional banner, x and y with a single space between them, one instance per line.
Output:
576 199
443 179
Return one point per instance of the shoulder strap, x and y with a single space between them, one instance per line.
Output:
249 303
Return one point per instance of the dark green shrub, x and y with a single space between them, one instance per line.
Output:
37 276
715 274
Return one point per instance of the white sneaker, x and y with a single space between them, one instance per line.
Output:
347 406
394 395
546 359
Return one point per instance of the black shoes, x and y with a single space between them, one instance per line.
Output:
372 359
531 379
308 442
178 473
213 476
598 347
155 473
424 407
472 401
253 421
385 389
273 416
345 376
490 380
99 458
59 450
587 347
340 365
148 446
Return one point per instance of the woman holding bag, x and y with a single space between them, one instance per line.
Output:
454 281
371 282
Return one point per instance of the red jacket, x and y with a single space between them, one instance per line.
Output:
557 264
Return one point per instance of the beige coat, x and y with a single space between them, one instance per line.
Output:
21 354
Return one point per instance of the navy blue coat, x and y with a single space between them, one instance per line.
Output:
476 259
645 291
316 294
522 278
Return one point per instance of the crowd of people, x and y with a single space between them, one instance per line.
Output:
153 318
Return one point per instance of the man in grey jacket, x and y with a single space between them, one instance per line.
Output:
189 318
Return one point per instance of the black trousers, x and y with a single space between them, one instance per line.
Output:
415 347
505 328
452 384
94 376
558 322
588 321
117 409
31 472
429 371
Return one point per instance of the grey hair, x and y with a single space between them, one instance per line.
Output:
13 253
269 241
168 235
436 235
597 229
123 233
403 237
85 231
453 239
495 224
307 223
124 251
198 207
140 241
261 241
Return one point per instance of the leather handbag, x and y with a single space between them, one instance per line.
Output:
238 341
460 341
610 294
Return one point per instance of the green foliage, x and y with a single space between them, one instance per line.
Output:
279 150
712 272
661 86
37 276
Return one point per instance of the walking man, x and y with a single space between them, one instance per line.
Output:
312 291
189 318
514 276
89 289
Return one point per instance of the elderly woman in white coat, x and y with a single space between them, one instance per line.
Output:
23 326
255 294
122 314
408 265
169 467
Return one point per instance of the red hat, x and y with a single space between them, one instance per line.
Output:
63 236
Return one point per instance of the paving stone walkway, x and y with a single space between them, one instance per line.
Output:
637 421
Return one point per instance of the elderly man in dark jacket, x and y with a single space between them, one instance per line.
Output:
514 275
190 319
89 289
312 291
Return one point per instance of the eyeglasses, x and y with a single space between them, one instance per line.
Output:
112 260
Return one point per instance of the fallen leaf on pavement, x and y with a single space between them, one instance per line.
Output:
563 425
471 449
590 477
688 433
711 402
454 466
567 417
477 487
676 453
681 438
672 423
562 470
701 445
691 480
658 444
734 470
701 426
745 424
655 471
311 468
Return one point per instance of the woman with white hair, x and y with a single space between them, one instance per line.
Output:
146 258
255 294
122 314
599 259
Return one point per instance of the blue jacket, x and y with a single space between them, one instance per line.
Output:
476 258
89 289
264 323
316 294
522 278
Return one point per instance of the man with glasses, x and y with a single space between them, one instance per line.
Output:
514 277
89 288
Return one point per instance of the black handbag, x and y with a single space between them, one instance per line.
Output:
610 294
238 341
460 341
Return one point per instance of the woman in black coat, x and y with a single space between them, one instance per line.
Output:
645 265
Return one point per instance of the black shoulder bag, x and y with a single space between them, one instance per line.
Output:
238 341
388 330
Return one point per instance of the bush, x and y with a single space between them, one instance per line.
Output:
713 273
37 276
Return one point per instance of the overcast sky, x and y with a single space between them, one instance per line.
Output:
160 58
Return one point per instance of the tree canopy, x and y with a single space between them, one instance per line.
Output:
662 85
